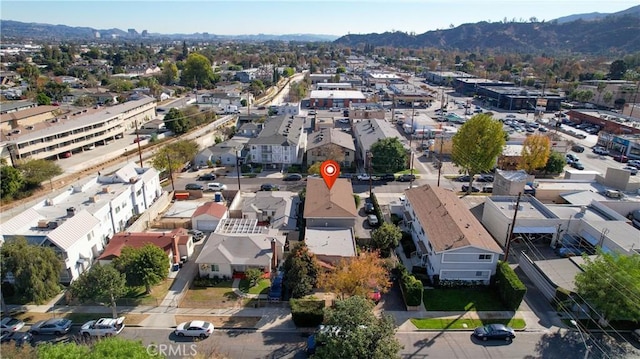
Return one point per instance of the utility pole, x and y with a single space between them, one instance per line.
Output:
513 224
440 157
135 122
238 168
369 156
173 187
413 111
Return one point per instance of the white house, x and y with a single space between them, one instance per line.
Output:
282 142
277 209
79 222
451 243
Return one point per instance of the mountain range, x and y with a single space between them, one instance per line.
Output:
584 33
590 33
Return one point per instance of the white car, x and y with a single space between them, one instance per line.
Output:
195 328
11 325
103 327
363 177
216 186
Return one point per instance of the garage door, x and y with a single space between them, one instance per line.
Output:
206 225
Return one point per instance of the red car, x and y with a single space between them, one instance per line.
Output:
375 295
621 158
66 155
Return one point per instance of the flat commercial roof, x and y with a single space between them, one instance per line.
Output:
337 94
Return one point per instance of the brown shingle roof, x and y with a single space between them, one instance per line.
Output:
138 240
446 221
322 203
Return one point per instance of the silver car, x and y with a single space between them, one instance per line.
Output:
57 326
10 325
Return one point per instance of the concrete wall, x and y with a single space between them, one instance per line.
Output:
144 221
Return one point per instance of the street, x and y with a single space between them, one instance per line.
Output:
238 344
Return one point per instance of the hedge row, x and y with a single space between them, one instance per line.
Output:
510 288
411 286
307 312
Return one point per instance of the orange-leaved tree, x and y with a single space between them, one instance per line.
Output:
357 276
535 152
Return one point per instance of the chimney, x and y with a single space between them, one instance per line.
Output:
71 211
274 255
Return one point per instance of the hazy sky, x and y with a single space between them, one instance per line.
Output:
287 17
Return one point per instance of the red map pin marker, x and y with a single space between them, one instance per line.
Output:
329 170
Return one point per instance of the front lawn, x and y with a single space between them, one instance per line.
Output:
261 288
138 296
464 323
219 295
462 300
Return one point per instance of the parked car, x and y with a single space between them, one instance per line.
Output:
293 177
363 177
216 186
388 177
18 338
369 208
576 148
571 158
634 163
474 189
632 170
207 177
636 335
268 187
465 178
140 139
10 325
194 187
577 165
66 155
103 327
621 158
57 326
372 220
600 151
485 178
494 331
487 189
543 129
195 328
406 178
196 234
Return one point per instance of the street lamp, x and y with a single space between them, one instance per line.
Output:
238 167
584 340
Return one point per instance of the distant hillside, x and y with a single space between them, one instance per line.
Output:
22 30
612 34
597 15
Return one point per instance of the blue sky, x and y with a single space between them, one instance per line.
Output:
287 17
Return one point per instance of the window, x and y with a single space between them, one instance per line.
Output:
117 209
215 268
138 192
486 257
478 274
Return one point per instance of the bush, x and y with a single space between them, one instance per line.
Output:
412 288
306 312
407 244
562 299
8 290
509 286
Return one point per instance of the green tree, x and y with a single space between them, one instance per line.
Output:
198 72
56 91
288 72
253 275
357 276
617 70
341 70
11 181
175 155
362 335
43 99
388 155
535 152
555 163
146 266
102 283
256 87
477 145
37 171
611 283
61 350
176 122
169 74
385 238
36 269
300 271
314 169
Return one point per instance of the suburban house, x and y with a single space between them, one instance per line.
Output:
451 243
249 129
229 255
335 208
276 209
281 143
367 132
330 245
222 154
330 143
177 244
207 216
79 222
246 76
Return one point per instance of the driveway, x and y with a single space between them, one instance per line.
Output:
362 228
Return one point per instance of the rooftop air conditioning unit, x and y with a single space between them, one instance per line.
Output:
43 223
105 189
